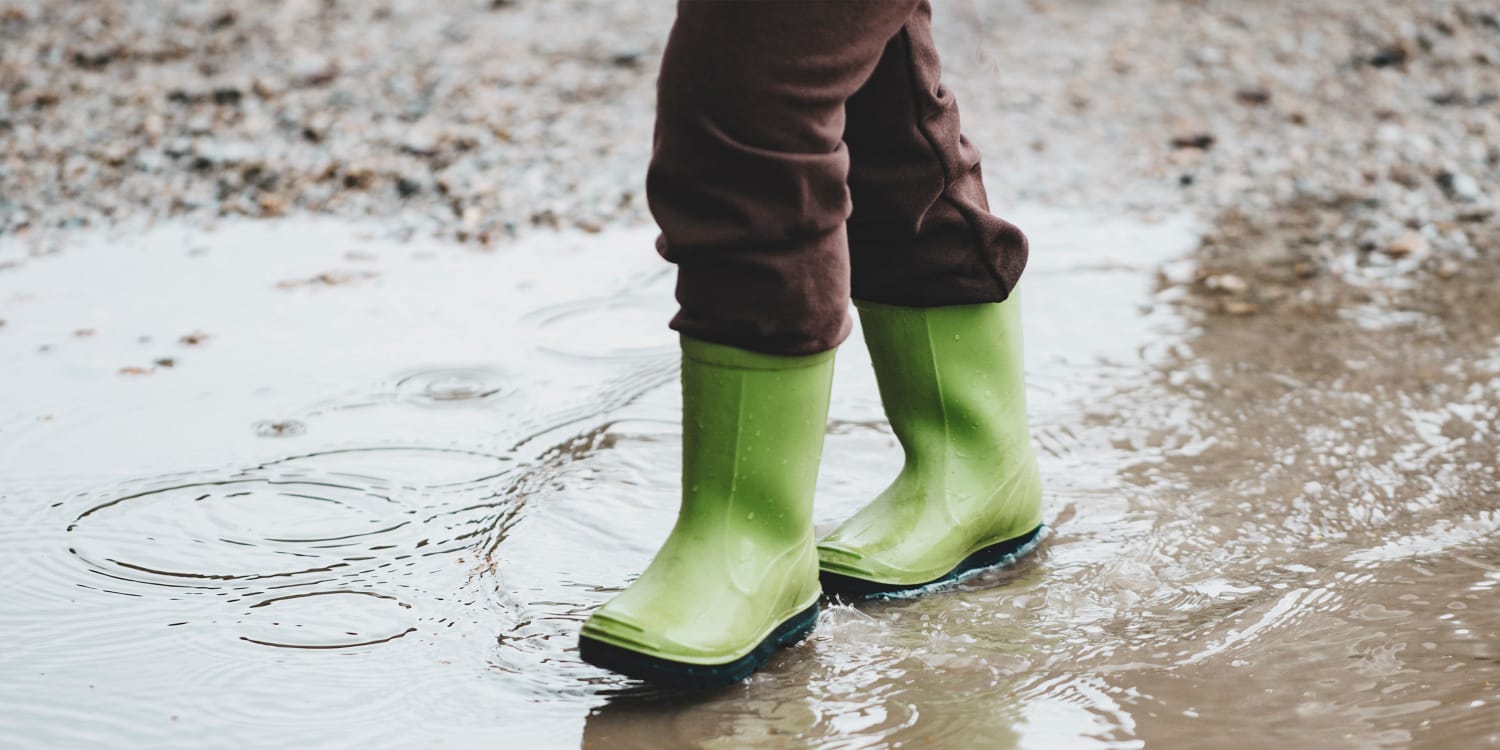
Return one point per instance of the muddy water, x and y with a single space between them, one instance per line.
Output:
296 484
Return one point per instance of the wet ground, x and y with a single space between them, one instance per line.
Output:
299 484
1349 130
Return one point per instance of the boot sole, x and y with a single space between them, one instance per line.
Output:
669 673
994 556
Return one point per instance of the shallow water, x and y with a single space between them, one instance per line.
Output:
381 484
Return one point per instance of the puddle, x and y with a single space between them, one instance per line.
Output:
326 620
375 513
236 530
453 384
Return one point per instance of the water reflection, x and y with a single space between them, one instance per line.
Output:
1256 531
810 696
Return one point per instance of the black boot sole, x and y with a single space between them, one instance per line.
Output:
994 556
668 673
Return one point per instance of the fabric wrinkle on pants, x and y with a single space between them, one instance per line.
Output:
806 151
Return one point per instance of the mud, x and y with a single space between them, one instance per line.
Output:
375 513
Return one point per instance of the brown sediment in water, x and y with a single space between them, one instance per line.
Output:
1263 529
1351 438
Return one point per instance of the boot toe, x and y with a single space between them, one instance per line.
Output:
669 641
847 560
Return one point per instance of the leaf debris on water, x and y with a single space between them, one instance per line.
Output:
279 428
329 278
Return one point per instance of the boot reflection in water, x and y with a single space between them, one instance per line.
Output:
806 154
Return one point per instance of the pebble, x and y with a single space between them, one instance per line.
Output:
214 109
1226 283
1411 243
1239 308
1461 186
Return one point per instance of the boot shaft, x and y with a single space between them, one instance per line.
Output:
951 378
752 435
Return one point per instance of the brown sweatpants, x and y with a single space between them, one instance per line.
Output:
806 150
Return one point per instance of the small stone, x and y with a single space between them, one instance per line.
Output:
116 154
1226 283
264 88
630 58
97 59
422 142
167 362
1392 55
227 96
358 177
314 70
196 338
1405 176
1253 97
1411 243
407 187
1200 141
136 370
154 126
1239 308
1460 187
271 205
214 153
41 99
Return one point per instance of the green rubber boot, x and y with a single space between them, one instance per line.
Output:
969 495
738 575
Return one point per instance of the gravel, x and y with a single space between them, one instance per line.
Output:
1331 144
468 118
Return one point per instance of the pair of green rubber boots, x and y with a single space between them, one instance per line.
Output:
742 573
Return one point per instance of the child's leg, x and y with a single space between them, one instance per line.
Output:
931 265
748 180
748 185
921 233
